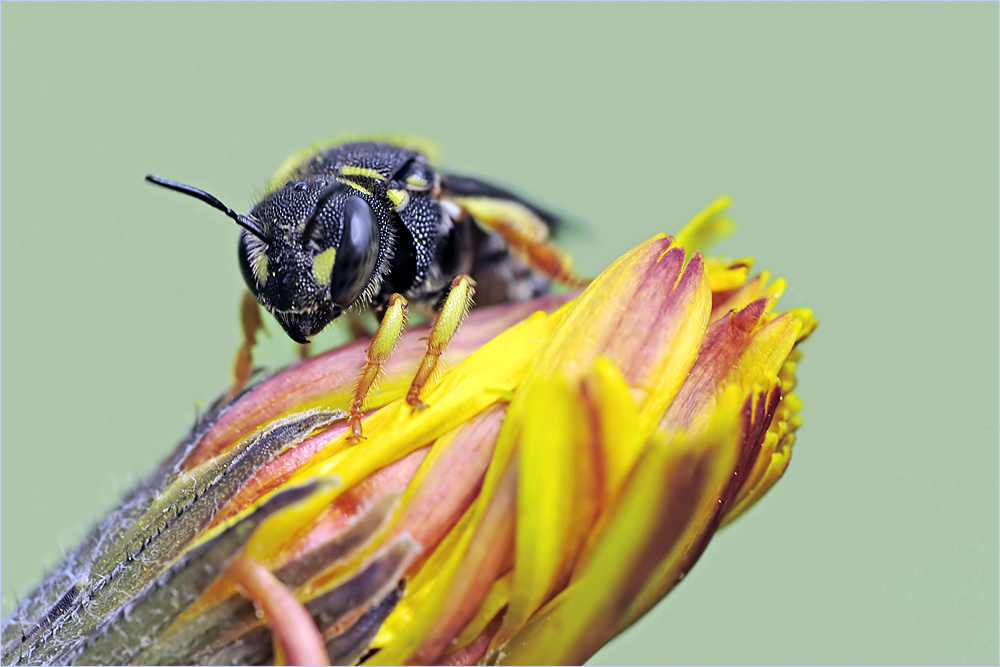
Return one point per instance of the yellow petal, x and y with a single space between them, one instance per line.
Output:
420 586
620 436
644 313
724 275
725 431
450 567
550 443
495 600
777 464
669 490
397 430
710 226
736 349
647 314
328 380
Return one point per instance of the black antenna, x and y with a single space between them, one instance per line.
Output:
241 220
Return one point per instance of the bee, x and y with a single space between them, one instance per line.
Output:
374 225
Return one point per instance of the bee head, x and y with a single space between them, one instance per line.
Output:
307 251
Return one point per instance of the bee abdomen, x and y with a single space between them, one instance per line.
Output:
500 276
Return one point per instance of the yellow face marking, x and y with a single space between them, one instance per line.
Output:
399 198
355 186
351 170
416 181
258 265
323 266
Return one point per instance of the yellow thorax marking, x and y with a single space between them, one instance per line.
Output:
351 170
355 186
323 266
416 180
398 197
295 165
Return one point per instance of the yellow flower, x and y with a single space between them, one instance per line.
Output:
570 469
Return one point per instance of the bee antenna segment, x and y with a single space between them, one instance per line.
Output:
243 221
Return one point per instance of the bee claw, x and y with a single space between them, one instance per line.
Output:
356 433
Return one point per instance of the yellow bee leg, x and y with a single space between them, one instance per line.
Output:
456 307
250 323
379 350
305 350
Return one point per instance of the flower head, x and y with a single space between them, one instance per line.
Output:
572 465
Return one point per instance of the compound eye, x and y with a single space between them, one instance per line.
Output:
357 254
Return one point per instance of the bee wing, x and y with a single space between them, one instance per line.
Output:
524 226
463 186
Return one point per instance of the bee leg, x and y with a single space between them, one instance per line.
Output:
305 350
453 311
379 350
551 262
251 323
526 234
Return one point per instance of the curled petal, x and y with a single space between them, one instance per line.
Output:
294 631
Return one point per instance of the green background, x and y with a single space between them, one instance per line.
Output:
859 142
